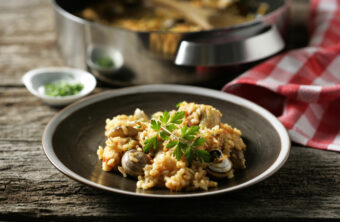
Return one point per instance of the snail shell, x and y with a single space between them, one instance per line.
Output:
221 165
133 162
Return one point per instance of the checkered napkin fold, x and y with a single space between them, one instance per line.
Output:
302 87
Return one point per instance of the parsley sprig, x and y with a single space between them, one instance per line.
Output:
186 144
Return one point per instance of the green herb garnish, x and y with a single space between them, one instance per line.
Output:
62 88
151 143
179 104
105 62
186 144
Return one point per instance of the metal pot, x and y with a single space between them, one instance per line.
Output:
167 57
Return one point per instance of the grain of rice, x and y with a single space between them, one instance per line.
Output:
122 171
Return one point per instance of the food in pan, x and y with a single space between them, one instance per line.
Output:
140 15
184 149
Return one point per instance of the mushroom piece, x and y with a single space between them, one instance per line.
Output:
210 117
133 162
221 166
123 131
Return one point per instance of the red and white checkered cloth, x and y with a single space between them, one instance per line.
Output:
302 87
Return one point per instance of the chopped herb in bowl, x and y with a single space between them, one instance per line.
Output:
105 62
62 88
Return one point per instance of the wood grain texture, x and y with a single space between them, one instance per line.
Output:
307 187
27 39
31 186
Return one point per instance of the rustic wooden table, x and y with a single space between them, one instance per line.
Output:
307 187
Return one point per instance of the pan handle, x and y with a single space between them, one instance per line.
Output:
231 50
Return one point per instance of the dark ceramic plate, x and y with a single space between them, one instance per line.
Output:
71 138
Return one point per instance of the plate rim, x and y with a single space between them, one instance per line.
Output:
152 88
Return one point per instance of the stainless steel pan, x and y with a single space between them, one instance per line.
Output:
167 57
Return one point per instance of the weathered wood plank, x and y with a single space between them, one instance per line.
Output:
23 116
31 185
27 39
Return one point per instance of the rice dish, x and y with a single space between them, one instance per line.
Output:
180 150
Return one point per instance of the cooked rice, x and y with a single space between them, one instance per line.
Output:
164 170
